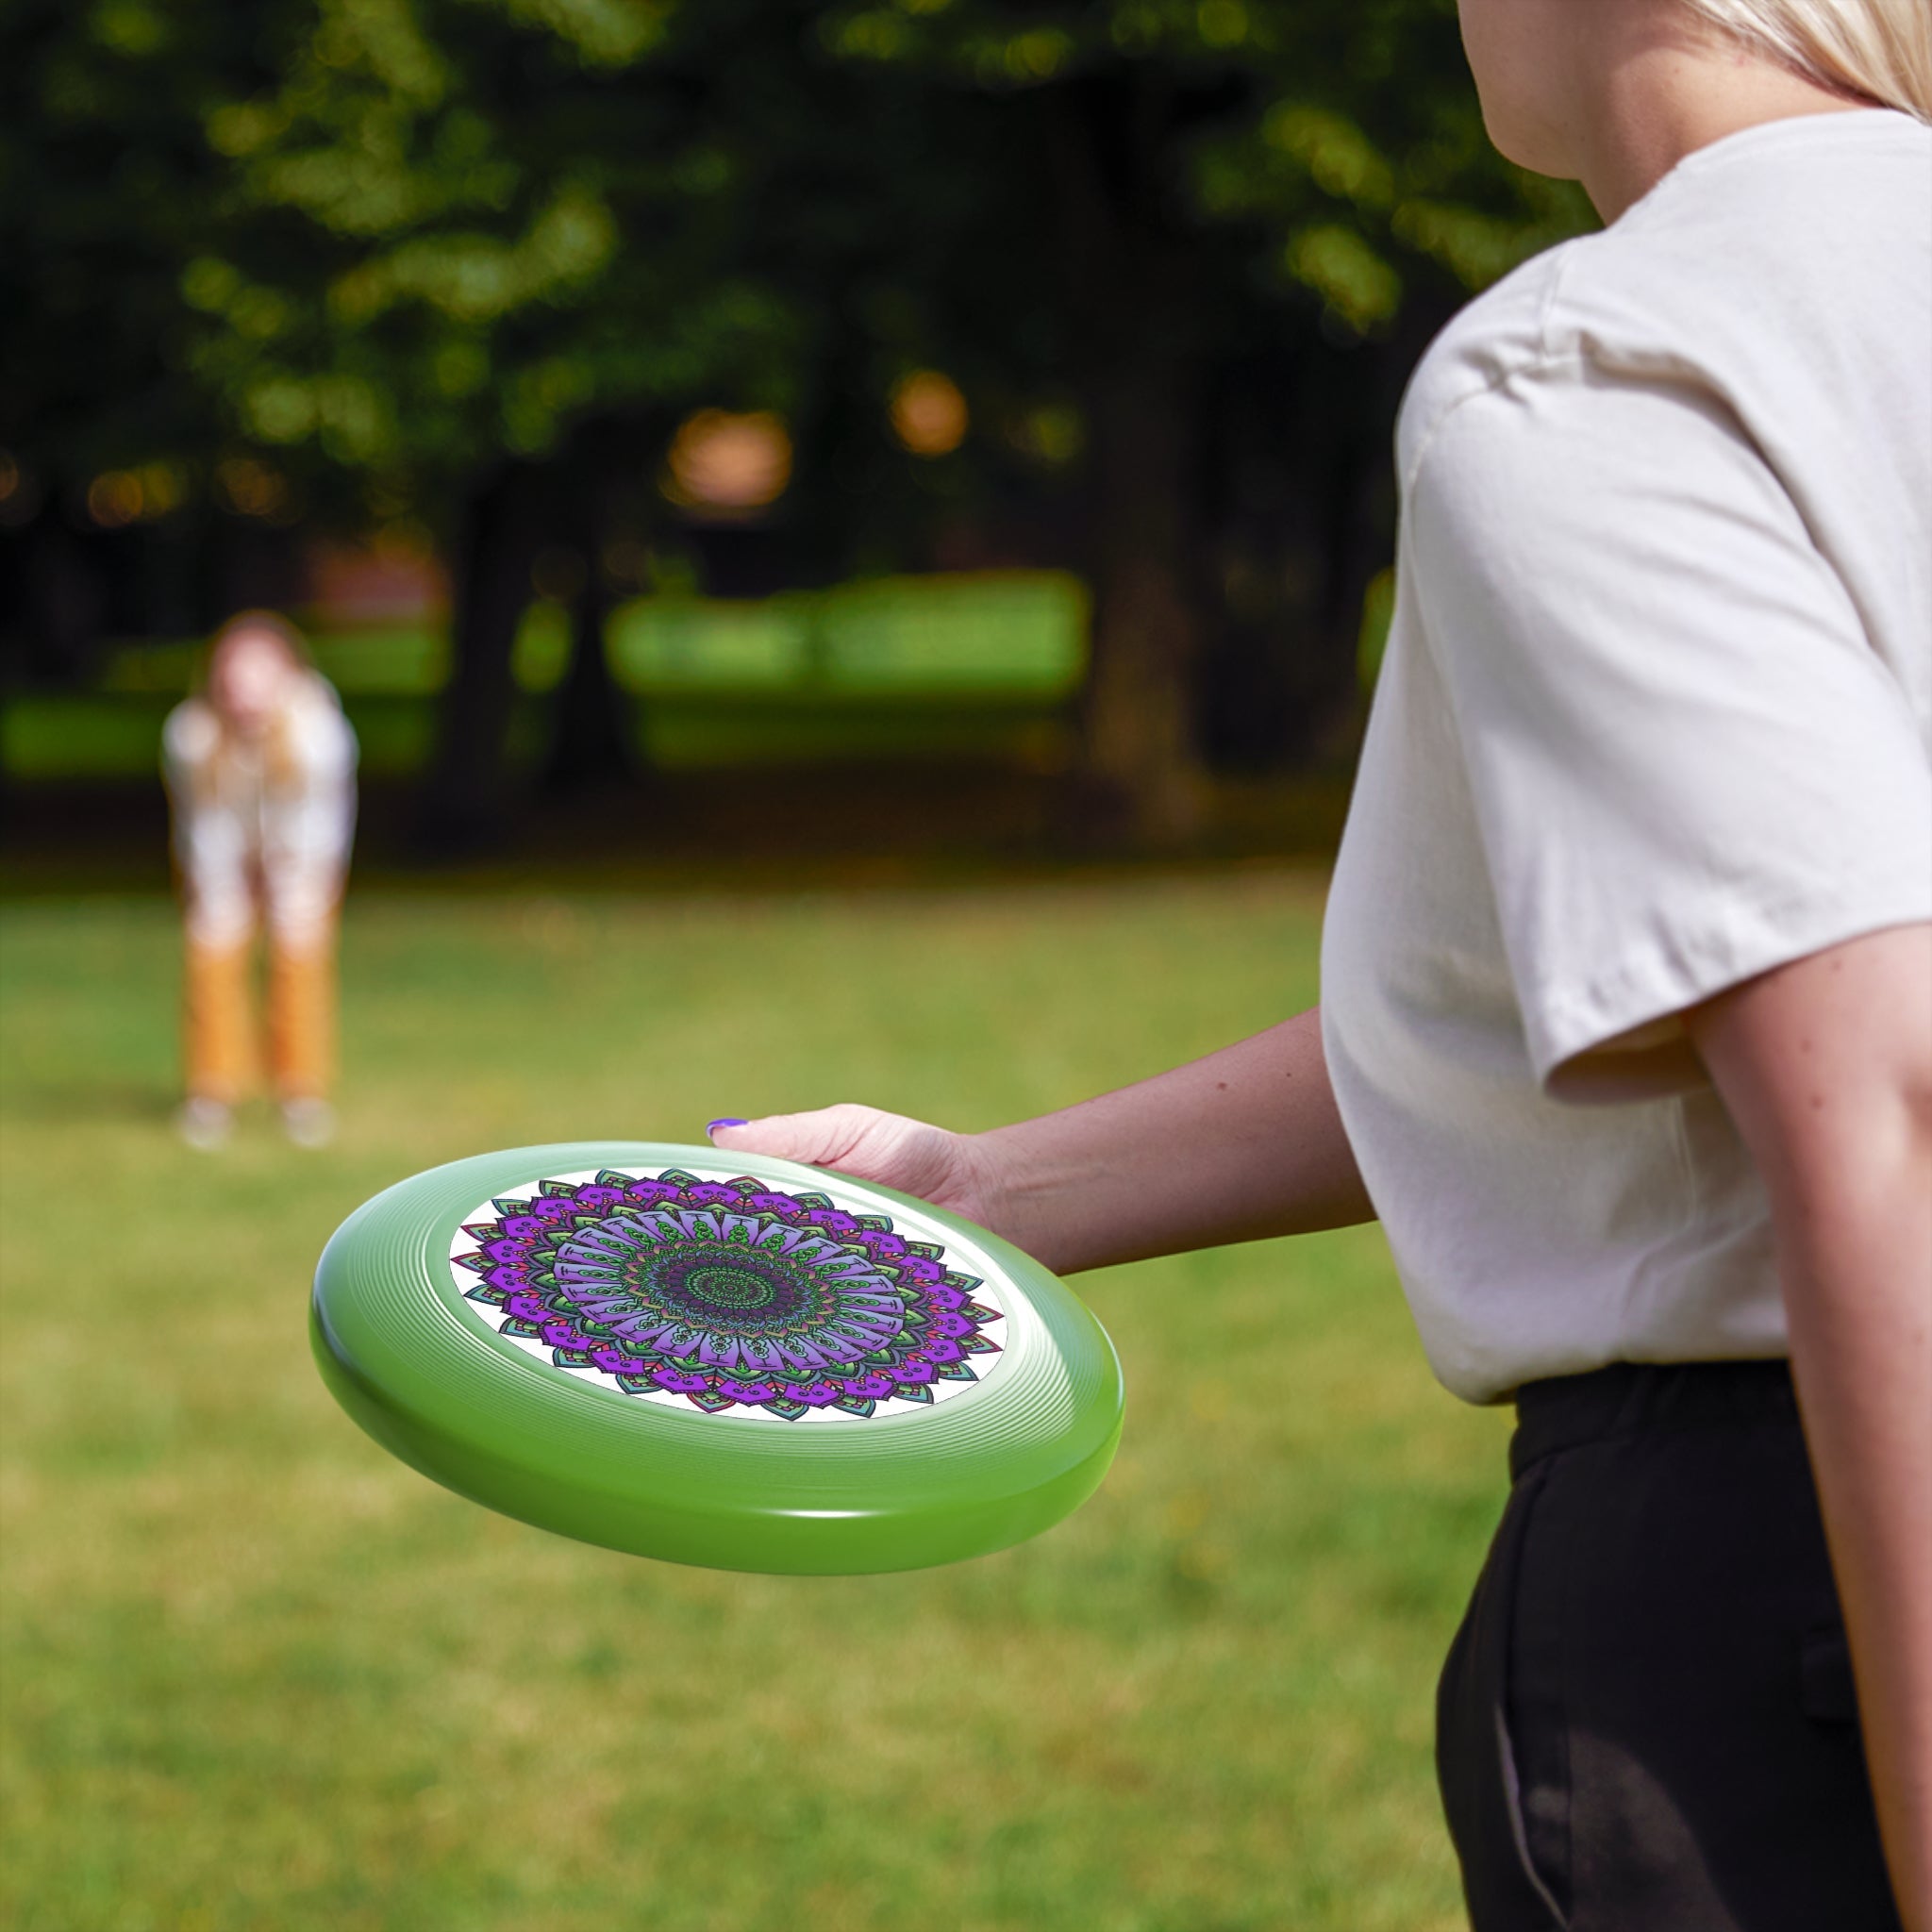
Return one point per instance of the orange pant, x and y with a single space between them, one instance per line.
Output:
222 1045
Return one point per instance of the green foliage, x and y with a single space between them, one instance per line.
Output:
395 238
106 189
1347 133
260 1674
498 239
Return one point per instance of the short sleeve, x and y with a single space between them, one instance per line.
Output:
1688 763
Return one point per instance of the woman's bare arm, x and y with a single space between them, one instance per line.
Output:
1826 1068
1244 1144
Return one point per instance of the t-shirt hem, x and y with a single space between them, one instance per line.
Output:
1485 1385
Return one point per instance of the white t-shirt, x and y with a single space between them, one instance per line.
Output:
246 831
1656 716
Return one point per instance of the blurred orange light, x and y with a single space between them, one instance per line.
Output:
728 464
114 499
251 489
929 415
10 476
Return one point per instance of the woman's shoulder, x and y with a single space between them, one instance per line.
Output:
316 696
1493 338
191 733
1780 255
319 733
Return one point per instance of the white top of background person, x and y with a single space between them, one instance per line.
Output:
1630 963
261 771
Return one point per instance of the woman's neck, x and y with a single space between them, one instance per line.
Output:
1654 97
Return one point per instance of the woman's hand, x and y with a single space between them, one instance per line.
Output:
949 1170
1237 1148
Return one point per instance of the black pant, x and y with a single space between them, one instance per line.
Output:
1646 1721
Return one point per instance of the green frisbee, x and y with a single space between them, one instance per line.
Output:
716 1359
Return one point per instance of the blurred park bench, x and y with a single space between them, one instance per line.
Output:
984 665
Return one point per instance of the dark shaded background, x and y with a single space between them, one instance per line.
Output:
389 314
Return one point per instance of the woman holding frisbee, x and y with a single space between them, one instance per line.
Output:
1626 1031
260 767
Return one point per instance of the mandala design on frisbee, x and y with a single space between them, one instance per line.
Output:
726 1296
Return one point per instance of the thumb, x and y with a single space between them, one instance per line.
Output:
862 1140
818 1139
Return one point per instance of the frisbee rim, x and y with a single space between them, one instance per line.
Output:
421 1369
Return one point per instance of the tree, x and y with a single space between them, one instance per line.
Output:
490 238
1216 202
111 190
470 262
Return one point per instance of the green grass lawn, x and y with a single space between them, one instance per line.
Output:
257 1675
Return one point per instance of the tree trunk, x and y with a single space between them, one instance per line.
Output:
468 796
593 744
1140 743
1134 309
590 745
62 602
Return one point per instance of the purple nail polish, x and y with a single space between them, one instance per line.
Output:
713 1127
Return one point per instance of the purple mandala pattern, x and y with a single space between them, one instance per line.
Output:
727 1294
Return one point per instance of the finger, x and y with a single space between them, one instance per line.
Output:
818 1139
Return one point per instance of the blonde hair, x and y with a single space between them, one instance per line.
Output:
245 623
1879 50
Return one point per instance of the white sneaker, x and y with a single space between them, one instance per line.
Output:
309 1122
204 1124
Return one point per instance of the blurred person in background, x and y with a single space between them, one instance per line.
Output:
1626 1021
260 768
